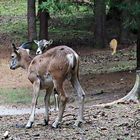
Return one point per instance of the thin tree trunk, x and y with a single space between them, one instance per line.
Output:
138 49
43 19
99 26
43 32
123 30
31 18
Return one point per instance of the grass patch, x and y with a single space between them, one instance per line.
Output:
9 96
65 27
20 96
13 19
13 7
14 26
120 66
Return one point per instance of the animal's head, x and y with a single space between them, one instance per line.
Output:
42 44
18 57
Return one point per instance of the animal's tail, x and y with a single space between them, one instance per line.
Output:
74 62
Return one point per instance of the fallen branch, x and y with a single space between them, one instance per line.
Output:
132 96
69 115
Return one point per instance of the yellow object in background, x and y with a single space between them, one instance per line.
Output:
113 45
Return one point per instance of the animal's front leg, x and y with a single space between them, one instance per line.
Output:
36 88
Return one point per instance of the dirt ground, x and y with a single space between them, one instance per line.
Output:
101 85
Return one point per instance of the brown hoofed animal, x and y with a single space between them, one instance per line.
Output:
31 48
113 45
49 71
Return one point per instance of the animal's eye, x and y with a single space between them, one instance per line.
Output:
12 56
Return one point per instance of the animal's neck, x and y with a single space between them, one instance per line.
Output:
27 61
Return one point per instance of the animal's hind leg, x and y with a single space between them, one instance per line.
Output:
56 98
47 105
81 96
62 103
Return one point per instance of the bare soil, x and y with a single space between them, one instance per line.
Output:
118 122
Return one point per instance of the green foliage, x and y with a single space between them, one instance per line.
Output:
11 22
13 7
133 10
59 7
68 11
65 26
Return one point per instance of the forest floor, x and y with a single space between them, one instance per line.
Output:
103 77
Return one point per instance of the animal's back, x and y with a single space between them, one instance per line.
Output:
113 43
54 60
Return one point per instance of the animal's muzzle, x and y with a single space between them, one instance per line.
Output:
13 64
12 68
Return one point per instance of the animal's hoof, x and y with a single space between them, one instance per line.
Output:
29 125
54 125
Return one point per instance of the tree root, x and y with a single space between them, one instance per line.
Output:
132 96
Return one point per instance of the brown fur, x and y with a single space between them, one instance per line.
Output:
113 45
50 70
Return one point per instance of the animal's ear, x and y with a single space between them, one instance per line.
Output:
36 42
13 46
47 43
15 49
50 42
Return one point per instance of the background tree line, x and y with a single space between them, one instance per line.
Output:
125 12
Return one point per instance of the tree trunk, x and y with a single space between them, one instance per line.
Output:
31 18
43 32
124 32
99 23
119 16
43 19
114 12
138 49
134 94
